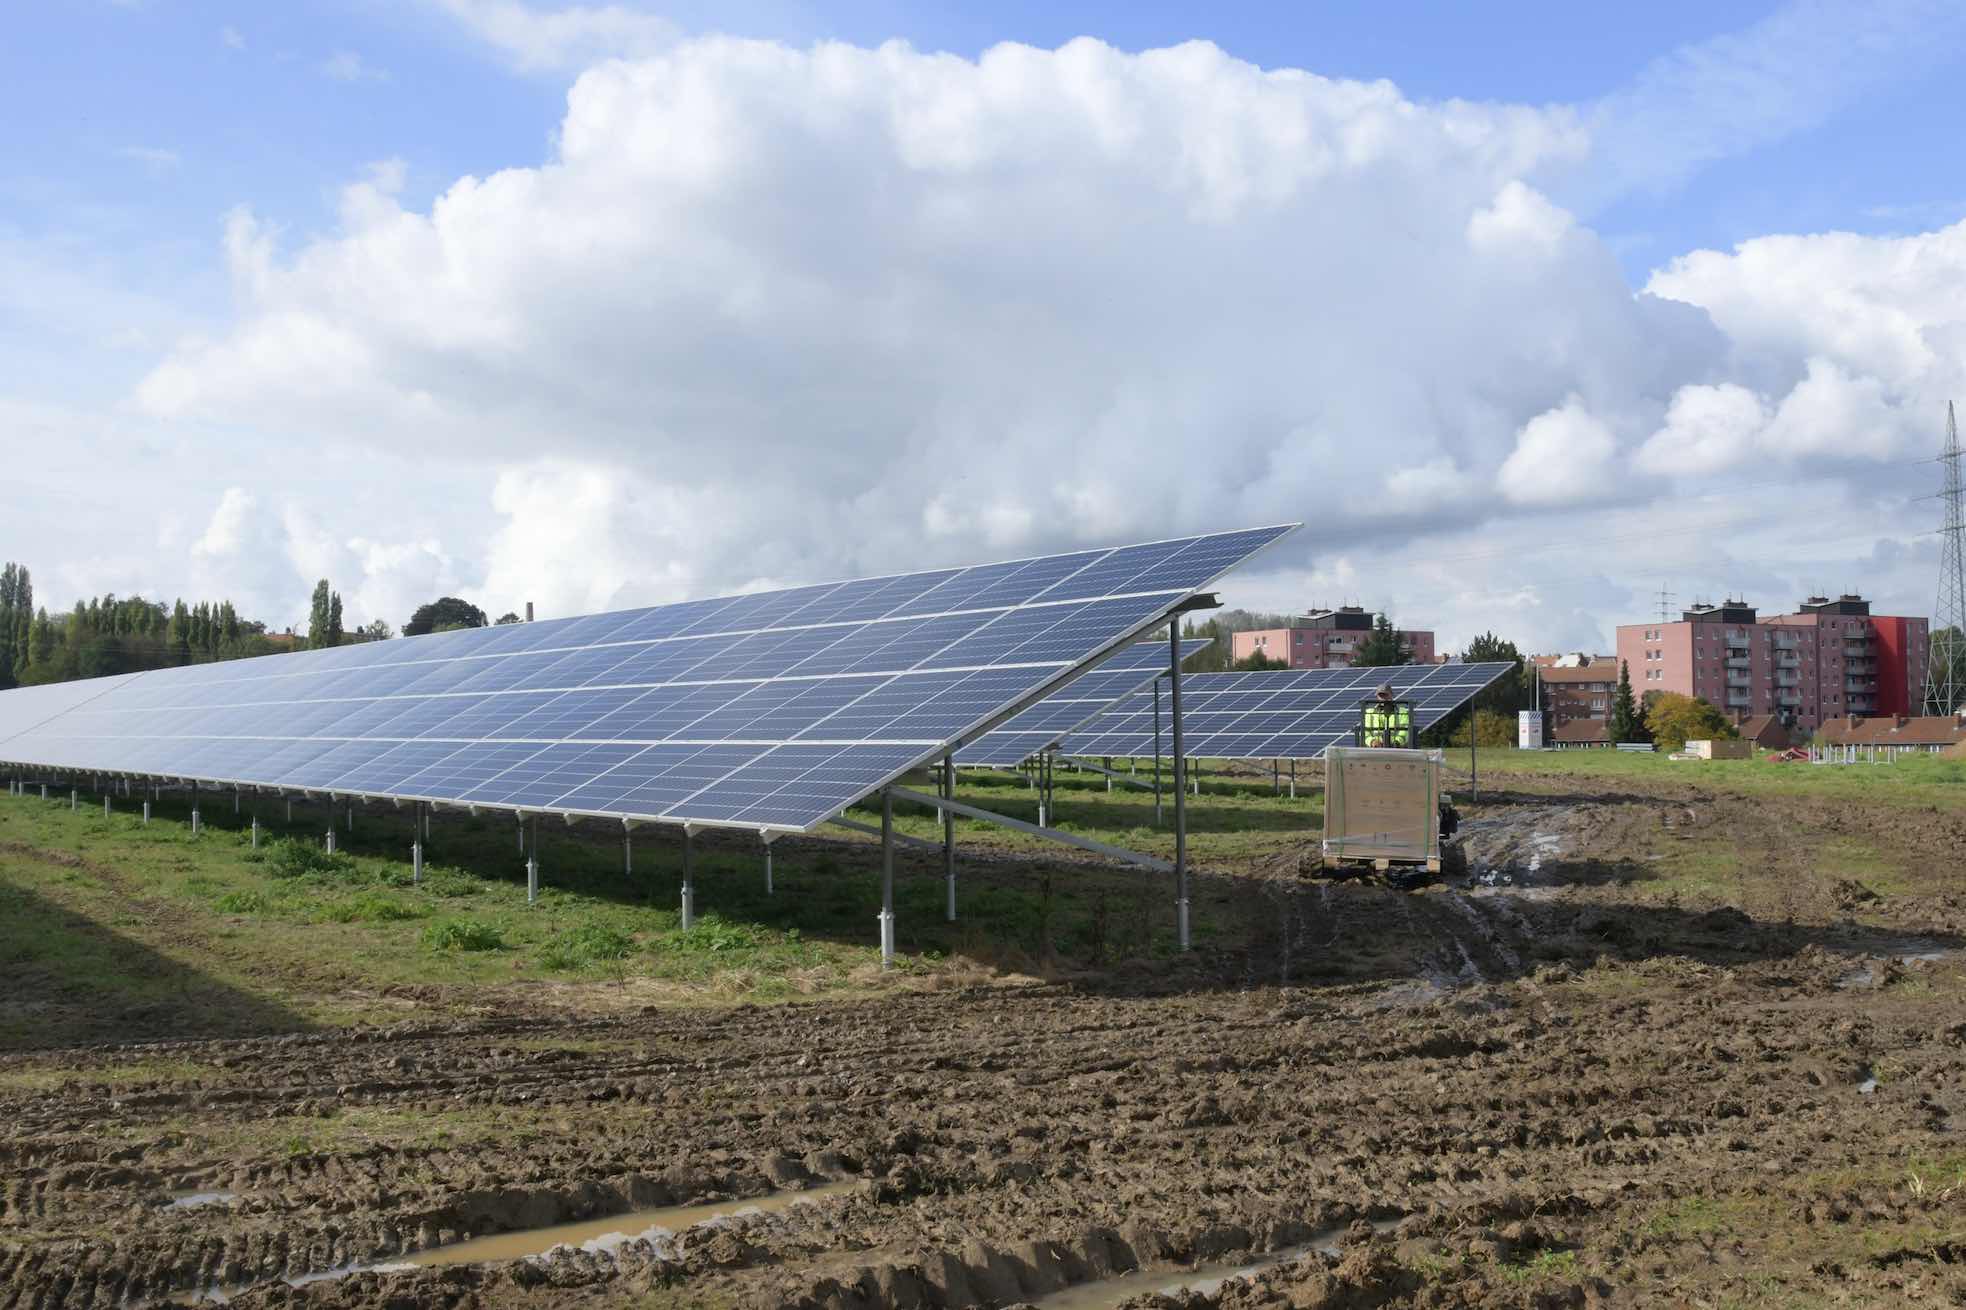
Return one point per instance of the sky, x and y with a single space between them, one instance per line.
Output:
1531 312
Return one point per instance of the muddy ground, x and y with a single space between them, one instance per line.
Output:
1582 1079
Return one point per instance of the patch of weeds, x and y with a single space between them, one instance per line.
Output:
372 907
713 933
292 858
463 935
1544 1264
450 883
590 943
239 902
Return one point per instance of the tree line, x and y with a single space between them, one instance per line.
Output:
112 634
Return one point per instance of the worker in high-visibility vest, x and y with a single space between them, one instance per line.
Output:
1386 721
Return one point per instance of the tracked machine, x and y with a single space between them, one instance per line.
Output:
1384 811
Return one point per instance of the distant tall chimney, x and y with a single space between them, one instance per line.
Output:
529 611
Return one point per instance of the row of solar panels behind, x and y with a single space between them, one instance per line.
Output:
1043 725
1281 714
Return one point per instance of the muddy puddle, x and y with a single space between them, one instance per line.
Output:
1198 1280
199 1200
1908 952
591 1235
610 1233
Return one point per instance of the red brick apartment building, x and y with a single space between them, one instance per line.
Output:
1831 659
1575 695
1324 639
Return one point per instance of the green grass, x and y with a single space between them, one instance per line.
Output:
1912 780
152 917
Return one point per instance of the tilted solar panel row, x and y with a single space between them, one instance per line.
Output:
770 710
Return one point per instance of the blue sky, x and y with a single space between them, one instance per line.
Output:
153 120
152 124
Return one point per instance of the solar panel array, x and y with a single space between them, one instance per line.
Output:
1281 714
768 710
1046 723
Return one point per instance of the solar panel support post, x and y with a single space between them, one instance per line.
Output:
146 814
627 852
531 831
255 832
105 805
766 836
1276 777
1180 794
1474 779
949 835
416 844
1293 779
72 793
194 811
887 879
235 800
689 878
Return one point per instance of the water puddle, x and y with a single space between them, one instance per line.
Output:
1201 1280
592 1235
611 1233
1910 951
199 1200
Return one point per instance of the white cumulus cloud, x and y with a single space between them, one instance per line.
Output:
773 314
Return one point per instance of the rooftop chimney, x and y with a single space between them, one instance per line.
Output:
529 611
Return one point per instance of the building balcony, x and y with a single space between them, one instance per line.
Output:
1736 643
1786 641
1787 680
1739 700
1741 679
1788 698
1738 661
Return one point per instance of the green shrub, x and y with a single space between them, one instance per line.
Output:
587 944
462 935
293 858
715 933
371 907
241 902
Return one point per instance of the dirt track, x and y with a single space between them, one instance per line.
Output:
1560 1092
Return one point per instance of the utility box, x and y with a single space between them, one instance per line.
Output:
1382 807
1529 730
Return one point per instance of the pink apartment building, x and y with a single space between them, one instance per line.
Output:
1324 639
1829 660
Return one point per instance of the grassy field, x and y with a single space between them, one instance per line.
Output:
159 922
1919 780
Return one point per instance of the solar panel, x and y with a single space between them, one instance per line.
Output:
768 710
1046 723
1279 714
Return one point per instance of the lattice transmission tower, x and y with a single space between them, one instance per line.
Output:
1945 671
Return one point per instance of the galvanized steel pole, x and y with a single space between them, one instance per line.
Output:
689 879
887 879
949 834
1180 795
